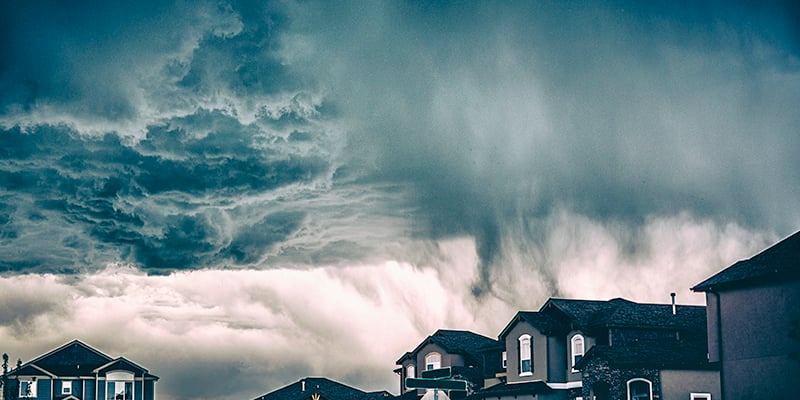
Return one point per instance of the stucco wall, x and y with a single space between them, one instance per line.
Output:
678 385
760 357
538 346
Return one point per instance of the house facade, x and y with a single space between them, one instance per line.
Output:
585 349
464 352
76 371
754 322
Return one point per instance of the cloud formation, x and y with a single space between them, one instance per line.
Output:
258 172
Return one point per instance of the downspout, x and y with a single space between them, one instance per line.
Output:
719 344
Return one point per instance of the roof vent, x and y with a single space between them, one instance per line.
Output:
673 303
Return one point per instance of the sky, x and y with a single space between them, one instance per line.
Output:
239 194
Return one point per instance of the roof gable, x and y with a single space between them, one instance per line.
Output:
120 363
780 262
71 359
544 323
314 388
466 343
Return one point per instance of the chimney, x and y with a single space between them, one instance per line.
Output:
673 303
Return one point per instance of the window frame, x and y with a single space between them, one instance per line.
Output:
435 364
572 341
700 396
31 386
66 387
504 361
522 341
649 387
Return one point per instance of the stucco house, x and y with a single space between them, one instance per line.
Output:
588 349
754 322
76 371
464 352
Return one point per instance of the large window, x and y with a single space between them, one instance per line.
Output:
433 361
66 387
525 355
640 389
119 390
577 346
27 388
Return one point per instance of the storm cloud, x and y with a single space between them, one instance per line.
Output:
314 175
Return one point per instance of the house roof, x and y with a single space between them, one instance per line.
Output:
326 389
513 389
74 359
466 343
781 262
545 323
686 355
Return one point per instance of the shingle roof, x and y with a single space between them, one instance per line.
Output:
678 355
466 343
780 262
545 323
514 389
582 314
326 389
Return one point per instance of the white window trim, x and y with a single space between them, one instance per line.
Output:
31 384
437 364
66 387
505 360
700 396
649 387
572 354
530 354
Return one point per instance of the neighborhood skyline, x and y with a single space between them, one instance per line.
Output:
259 191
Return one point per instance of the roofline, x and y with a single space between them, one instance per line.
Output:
62 347
30 364
429 339
118 359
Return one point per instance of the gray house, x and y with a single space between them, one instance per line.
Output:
754 323
615 349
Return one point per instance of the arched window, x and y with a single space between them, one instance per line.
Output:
411 371
577 346
433 360
640 389
525 355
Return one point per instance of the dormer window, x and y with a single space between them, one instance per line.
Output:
577 346
433 361
525 356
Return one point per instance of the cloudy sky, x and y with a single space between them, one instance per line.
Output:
240 194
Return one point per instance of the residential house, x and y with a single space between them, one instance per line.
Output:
76 371
754 322
573 349
463 351
322 389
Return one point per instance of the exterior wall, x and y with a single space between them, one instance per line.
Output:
137 390
760 357
88 389
448 360
150 390
588 342
557 366
538 346
712 323
679 385
101 389
44 389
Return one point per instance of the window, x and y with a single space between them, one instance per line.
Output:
700 396
433 361
66 387
27 388
119 390
577 349
525 355
640 389
410 371
505 360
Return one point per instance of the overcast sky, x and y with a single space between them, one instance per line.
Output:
240 194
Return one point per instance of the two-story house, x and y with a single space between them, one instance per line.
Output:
463 351
563 350
76 371
754 322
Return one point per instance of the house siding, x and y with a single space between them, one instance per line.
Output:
679 385
756 326
88 392
44 389
556 369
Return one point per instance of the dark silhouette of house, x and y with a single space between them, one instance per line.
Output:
754 322
322 389
76 371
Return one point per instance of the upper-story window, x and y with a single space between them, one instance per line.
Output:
27 388
433 361
577 346
119 390
525 355
411 371
66 387
505 360
640 389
